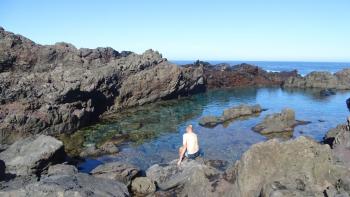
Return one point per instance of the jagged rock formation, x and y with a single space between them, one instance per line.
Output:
58 88
324 80
226 76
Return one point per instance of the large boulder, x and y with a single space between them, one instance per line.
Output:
339 139
323 80
58 88
116 171
283 122
32 155
230 114
300 167
191 178
348 103
72 185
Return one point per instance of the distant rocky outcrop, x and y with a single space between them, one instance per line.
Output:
325 80
279 123
226 76
230 114
58 88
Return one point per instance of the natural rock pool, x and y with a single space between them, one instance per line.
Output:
155 130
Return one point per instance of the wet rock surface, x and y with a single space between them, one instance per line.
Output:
230 114
226 76
32 155
116 171
283 122
325 80
58 88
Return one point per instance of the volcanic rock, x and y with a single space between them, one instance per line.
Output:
32 155
230 114
324 80
116 171
279 123
58 88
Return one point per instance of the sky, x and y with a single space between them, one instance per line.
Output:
257 30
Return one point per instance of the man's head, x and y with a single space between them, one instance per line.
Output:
189 129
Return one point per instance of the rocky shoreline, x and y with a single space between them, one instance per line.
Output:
298 167
57 89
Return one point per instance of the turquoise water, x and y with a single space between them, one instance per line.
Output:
166 121
302 67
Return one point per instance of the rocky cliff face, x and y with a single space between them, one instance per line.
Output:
226 76
59 88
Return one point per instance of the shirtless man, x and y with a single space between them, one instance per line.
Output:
190 147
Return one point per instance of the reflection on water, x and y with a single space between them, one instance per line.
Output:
166 123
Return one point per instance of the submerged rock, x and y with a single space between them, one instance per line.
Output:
210 121
324 80
116 171
106 148
327 92
283 122
32 155
348 103
143 186
230 114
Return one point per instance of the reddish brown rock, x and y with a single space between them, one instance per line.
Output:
226 76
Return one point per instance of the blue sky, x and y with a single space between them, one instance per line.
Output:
290 30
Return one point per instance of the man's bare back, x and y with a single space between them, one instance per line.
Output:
190 144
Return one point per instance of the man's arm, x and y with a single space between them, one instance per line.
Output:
183 149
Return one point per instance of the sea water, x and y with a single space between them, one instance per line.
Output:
159 126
